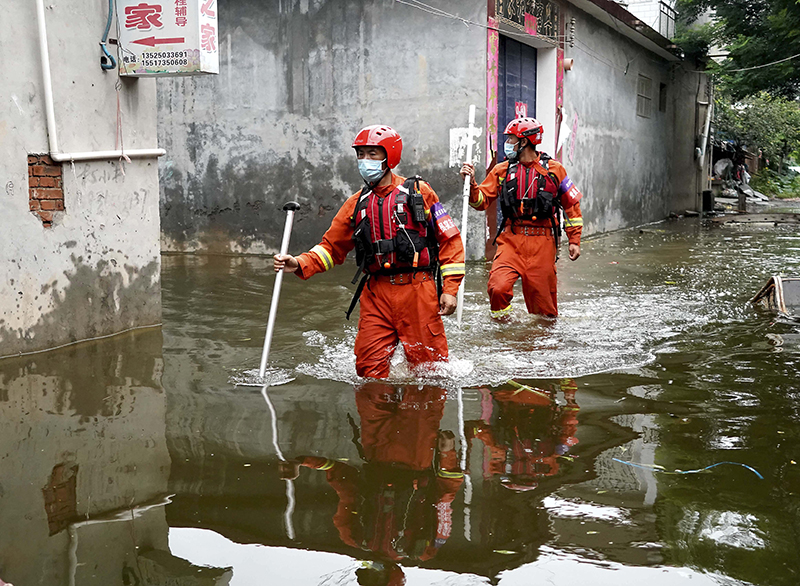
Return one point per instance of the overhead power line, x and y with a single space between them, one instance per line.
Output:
764 65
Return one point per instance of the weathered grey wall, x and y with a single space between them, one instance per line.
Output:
298 79
626 164
96 270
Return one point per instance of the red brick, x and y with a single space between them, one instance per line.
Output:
48 181
46 216
45 170
46 160
52 204
47 193
33 181
34 204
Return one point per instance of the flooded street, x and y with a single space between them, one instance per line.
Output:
134 460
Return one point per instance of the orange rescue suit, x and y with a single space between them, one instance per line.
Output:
526 249
399 505
399 308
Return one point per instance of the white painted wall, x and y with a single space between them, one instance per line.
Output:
96 271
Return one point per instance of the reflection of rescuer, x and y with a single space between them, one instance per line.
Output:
531 189
399 505
526 436
405 241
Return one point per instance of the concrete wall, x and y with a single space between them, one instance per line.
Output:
95 271
297 80
632 169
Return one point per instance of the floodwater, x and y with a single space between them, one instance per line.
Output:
134 460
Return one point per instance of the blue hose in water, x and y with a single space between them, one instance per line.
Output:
106 55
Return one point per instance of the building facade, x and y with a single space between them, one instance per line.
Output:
299 78
80 226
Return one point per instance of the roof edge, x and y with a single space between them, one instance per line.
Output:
607 11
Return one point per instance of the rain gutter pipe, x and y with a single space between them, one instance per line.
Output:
51 117
704 137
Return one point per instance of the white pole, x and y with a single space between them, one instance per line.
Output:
290 501
464 211
462 433
290 208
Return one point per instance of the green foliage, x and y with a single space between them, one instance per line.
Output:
760 121
755 32
773 184
695 41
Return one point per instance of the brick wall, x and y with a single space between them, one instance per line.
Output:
45 190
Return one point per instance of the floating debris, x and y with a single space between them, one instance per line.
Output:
781 295
657 468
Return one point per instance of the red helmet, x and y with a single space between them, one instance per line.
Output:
382 136
529 128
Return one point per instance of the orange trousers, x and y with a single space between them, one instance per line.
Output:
531 258
392 313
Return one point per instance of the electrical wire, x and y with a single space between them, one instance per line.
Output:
723 70
467 22
106 55
657 468
763 65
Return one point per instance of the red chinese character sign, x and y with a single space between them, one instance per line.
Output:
520 109
168 37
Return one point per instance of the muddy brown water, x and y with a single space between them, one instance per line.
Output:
134 460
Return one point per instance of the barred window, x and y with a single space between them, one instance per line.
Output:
644 97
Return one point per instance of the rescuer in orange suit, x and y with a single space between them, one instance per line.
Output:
528 434
531 189
405 242
399 505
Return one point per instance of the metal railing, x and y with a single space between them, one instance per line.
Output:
666 20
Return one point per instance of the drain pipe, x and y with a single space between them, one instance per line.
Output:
52 134
704 136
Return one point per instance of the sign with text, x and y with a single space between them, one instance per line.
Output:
167 37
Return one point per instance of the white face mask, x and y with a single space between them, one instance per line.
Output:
508 149
371 171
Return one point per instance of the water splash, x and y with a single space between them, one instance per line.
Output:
272 377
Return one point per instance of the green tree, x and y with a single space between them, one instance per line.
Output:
760 121
755 32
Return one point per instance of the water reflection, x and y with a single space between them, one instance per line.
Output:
95 438
85 467
397 504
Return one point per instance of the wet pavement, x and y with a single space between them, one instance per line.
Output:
134 460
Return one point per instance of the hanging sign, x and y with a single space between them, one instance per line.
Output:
167 37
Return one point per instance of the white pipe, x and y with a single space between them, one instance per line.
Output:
48 83
464 211
104 155
704 139
52 133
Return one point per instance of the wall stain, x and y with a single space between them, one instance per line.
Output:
94 302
